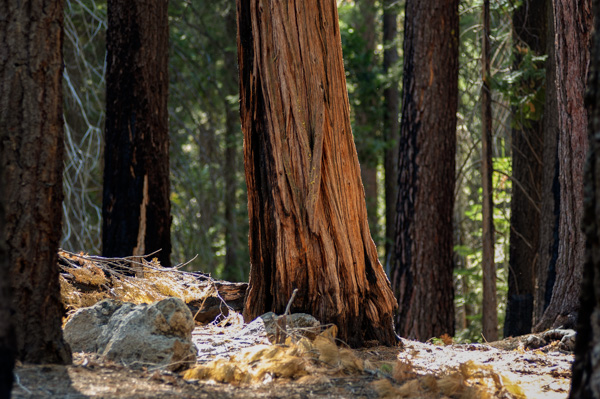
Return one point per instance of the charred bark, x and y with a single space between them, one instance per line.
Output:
423 265
545 273
31 130
586 368
573 27
135 208
308 220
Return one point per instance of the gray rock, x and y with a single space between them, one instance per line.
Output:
298 323
159 334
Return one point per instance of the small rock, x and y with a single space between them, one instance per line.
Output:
159 334
266 325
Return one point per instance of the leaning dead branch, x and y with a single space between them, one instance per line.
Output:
87 279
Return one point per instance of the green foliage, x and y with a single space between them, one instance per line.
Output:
524 86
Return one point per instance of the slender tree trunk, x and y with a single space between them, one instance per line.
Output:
233 269
31 139
545 273
527 154
573 26
136 209
586 368
489 306
423 264
308 220
391 125
366 127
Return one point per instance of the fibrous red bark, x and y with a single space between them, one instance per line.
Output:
308 221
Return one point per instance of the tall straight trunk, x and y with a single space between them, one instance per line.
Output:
391 124
545 272
423 263
365 119
308 219
586 368
489 306
135 209
7 331
233 268
31 139
573 27
527 155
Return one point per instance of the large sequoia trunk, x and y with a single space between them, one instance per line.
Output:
527 160
586 368
545 270
573 25
31 139
423 265
135 208
308 221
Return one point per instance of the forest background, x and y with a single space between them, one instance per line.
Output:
208 198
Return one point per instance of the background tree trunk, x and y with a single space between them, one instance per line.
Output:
308 221
31 135
573 25
423 265
391 125
545 272
7 332
527 161
136 209
586 368
366 124
489 317
233 269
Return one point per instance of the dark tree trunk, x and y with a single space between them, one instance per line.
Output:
366 124
527 154
586 369
391 124
422 266
31 130
489 317
136 209
308 220
573 26
545 273
7 332
233 269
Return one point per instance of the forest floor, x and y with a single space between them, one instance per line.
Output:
414 369
249 366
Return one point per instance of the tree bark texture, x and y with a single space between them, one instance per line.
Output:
586 367
527 164
135 208
573 26
391 124
489 316
31 130
308 220
423 265
7 332
545 273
